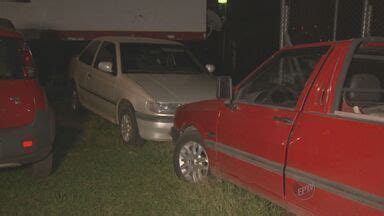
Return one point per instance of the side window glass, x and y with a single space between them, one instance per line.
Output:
88 54
281 81
107 54
363 88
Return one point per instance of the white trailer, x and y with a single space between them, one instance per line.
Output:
86 19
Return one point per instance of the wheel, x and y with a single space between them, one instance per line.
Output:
277 95
190 159
129 131
42 168
75 102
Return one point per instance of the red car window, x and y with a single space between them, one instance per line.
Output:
11 65
363 87
281 81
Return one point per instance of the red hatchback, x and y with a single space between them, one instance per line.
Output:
304 130
26 121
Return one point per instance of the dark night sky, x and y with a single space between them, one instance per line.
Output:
254 28
254 25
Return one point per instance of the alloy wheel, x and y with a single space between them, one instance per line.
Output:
126 127
193 162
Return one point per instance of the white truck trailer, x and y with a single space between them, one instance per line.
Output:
86 19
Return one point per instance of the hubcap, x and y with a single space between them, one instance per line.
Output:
193 162
126 127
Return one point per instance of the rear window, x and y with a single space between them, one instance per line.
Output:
6 24
363 88
10 59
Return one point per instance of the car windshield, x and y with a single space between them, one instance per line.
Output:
10 59
157 58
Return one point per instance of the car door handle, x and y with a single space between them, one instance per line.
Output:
284 120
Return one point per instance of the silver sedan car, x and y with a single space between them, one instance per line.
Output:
138 83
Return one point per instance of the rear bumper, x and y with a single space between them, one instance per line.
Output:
41 132
156 128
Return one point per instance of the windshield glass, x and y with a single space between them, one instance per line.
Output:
157 58
10 59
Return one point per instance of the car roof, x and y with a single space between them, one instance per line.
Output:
10 34
127 39
330 43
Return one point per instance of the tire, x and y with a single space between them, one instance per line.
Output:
190 159
75 102
129 131
43 168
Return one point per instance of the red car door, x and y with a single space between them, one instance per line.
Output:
335 158
252 134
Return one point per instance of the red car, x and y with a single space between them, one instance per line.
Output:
304 130
26 121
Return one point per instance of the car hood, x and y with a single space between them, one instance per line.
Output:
176 88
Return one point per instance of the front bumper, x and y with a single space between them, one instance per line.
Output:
156 128
41 132
175 134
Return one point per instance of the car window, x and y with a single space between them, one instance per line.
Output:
158 58
6 24
88 54
10 59
362 92
281 81
107 53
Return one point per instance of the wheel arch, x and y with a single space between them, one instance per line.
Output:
192 127
121 104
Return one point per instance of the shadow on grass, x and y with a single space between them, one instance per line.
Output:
69 127
66 137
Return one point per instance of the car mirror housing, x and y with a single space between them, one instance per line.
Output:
224 88
106 66
210 68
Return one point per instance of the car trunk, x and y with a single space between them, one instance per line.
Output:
17 105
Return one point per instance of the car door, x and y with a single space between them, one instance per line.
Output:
334 164
252 134
102 83
83 69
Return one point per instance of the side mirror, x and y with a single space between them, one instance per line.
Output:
106 67
224 88
210 68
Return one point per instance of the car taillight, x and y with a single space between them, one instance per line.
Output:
26 144
28 64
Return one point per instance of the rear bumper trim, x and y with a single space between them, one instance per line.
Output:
41 132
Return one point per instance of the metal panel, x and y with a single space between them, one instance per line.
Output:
104 15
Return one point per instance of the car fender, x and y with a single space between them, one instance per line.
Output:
130 92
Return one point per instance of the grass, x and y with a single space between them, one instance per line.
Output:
95 174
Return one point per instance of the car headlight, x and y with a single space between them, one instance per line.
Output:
162 108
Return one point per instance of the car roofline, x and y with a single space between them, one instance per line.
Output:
10 34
